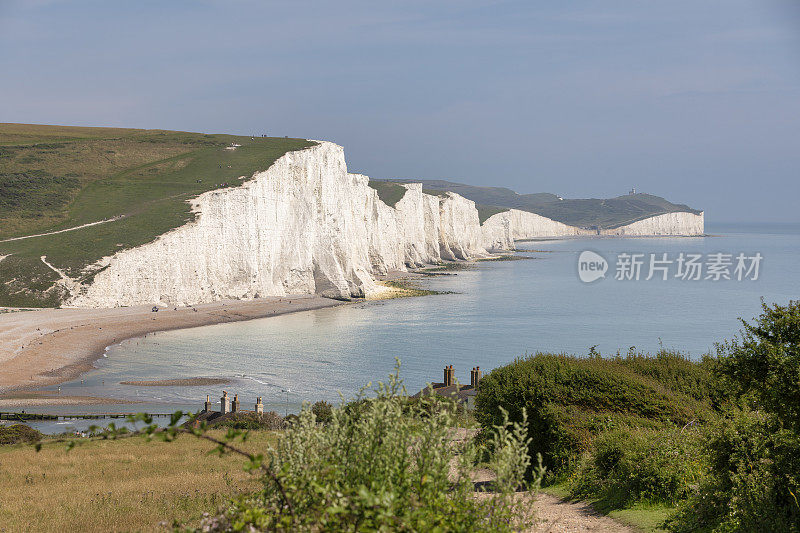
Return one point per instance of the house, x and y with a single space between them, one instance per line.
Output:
451 388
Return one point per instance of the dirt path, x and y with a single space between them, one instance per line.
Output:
551 514
63 230
555 514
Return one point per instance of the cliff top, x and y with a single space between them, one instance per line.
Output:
121 187
606 213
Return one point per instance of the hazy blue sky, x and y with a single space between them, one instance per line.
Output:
697 101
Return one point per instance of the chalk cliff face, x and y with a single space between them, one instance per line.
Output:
306 225
514 225
680 223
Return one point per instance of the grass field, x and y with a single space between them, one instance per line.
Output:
57 177
122 485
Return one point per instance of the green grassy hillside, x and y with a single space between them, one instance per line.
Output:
56 177
389 193
586 213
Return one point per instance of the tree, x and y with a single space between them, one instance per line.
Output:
763 365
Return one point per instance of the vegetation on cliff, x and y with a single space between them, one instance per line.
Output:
136 183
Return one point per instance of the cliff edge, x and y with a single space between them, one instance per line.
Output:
306 225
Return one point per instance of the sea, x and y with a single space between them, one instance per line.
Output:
556 298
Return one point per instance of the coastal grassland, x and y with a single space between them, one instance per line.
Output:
139 181
389 193
119 485
485 212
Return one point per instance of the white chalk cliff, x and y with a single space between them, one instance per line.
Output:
678 223
306 225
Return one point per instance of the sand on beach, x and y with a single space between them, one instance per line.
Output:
49 346
40 399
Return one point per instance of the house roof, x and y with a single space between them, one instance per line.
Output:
457 391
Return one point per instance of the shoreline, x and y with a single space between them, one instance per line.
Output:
45 347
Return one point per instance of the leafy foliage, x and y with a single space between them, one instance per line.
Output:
753 453
752 481
626 466
322 411
763 365
385 465
571 400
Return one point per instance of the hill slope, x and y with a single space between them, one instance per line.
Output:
586 213
135 183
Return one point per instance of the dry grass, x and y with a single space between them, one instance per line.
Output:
123 485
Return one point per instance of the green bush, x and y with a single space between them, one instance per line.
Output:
763 364
323 411
753 480
384 466
753 454
269 420
18 433
627 466
571 400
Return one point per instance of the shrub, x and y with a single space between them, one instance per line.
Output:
323 411
763 365
383 466
249 420
570 400
18 433
753 479
754 453
626 466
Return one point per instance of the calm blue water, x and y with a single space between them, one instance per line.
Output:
500 310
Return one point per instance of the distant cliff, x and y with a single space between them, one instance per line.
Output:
590 213
306 225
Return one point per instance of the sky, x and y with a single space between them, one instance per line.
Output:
697 101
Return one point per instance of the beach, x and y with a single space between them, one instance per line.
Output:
45 347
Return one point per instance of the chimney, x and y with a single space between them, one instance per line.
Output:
207 406
235 406
472 377
477 377
446 381
450 375
225 403
259 406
